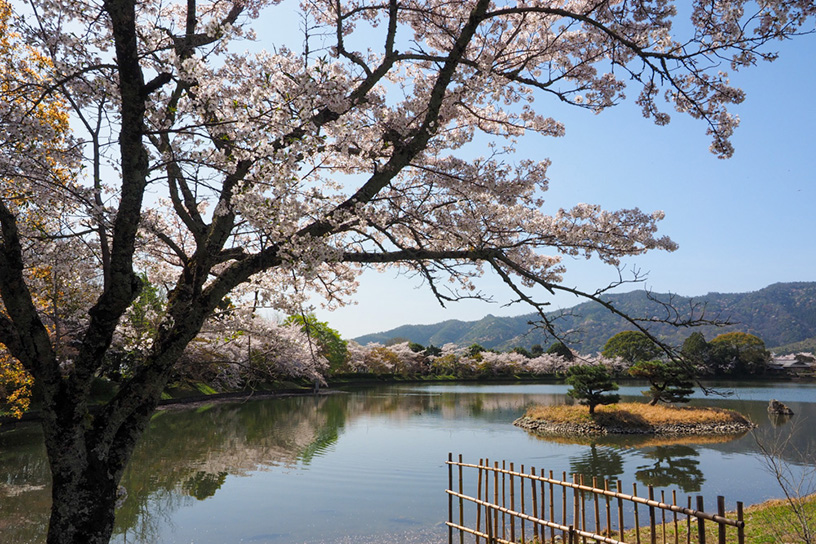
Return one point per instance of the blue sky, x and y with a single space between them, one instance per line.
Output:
741 223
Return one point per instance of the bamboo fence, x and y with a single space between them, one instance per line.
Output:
535 508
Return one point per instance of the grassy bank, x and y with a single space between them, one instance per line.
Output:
769 522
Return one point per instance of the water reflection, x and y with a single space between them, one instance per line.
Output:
320 468
779 420
188 454
673 466
600 462
25 494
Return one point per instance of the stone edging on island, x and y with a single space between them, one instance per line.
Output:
547 427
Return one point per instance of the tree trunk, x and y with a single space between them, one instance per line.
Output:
87 461
83 503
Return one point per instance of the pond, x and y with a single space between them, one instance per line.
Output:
368 465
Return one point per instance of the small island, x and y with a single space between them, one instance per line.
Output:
633 418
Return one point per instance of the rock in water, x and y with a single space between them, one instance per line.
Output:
776 407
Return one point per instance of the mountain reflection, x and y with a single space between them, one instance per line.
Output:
207 452
188 453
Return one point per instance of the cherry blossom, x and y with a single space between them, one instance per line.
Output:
386 138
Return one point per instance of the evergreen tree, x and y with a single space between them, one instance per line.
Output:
669 382
591 384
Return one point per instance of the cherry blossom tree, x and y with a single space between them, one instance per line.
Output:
280 175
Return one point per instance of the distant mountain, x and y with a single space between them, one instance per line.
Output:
783 315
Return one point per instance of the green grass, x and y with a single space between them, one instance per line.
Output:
771 522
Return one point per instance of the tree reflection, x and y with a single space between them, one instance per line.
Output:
674 466
603 463
25 485
189 453
203 485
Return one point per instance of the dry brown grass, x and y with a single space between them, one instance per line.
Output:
635 414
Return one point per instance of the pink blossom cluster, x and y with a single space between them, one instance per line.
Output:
400 359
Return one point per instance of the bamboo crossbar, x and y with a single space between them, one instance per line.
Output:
532 519
613 494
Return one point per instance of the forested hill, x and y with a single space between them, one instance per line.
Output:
782 314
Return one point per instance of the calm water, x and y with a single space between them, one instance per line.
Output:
368 465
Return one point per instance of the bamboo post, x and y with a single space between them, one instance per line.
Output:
512 505
652 523
479 497
489 527
522 503
608 510
583 510
676 527
450 497
619 489
461 504
487 493
504 500
741 526
596 510
721 512
700 521
663 516
552 507
564 502
637 520
543 513
576 513
496 498
688 523
536 526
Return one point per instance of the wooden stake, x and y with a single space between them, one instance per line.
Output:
450 497
688 523
496 498
552 508
663 516
676 527
543 514
608 510
512 505
479 506
583 510
652 523
700 521
564 503
504 501
523 539
536 527
741 526
637 520
619 489
721 512
461 504
596 510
